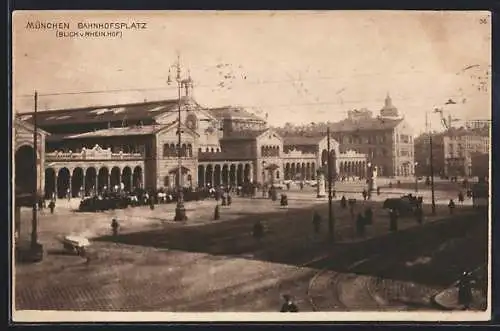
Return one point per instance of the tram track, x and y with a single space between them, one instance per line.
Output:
363 277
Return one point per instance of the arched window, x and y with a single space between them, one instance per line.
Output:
212 150
184 150
173 150
277 174
166 150
189 150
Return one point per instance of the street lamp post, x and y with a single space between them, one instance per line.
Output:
431 157
370 179
264 178
180 210
416 178
331 220
36 247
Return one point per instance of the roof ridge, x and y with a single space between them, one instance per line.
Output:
98 106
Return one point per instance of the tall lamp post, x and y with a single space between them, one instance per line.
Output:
331 223
431 157
36 248
370 179
180 210
416 177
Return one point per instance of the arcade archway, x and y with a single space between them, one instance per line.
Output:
25 170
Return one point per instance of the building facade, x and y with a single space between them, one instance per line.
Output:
460 145
136 146
386 140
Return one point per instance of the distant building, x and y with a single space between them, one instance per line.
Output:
387 139
478 124
422 154
459 147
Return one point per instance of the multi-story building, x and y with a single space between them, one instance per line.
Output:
387 139
459 146
423 154
136 145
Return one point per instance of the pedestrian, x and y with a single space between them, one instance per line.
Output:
360 225
289 306
365 194
229 200
369 215
393 216
284 200
216 213
258 230
465 290
461 197
40 204
224 199
114 227
451 206
419 214
343 202
316 222
52 206
334 194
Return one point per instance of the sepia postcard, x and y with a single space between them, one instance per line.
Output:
251 166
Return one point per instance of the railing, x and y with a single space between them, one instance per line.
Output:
92 155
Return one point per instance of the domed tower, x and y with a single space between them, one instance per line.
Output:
389 110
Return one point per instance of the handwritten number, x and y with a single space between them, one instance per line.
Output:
483 21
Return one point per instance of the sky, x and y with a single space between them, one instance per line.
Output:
297 67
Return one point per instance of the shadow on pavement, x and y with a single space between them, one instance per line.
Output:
447 247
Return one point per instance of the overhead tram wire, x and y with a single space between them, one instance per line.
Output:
246 82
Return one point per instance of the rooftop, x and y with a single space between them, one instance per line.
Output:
110 113
302 140
244 135
366 124
114 132
230 112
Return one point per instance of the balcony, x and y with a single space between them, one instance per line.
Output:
96 153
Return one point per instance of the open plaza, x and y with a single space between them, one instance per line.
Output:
202 264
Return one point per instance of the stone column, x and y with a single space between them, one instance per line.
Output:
84 184
320 189
70 186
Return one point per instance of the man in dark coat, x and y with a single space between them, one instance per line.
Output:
316 222
465 290
369 215
288 306
451 206
258 230
343 202
360 225
393 216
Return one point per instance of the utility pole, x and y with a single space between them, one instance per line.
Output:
431 156
330 207
180 210
34 221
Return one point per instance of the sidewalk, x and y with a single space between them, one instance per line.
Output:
448 300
